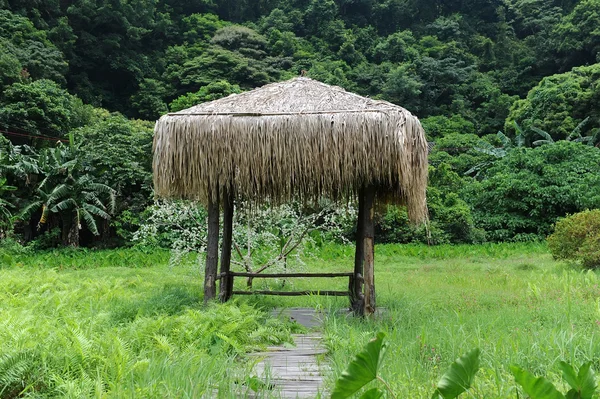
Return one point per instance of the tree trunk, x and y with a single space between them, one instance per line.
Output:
70 230
356 296
73 237
212 251
226 285
369 251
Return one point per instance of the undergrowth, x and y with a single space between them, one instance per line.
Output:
118 332
125 324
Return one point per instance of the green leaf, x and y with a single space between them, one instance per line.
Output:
459 376
89 221
257 385
362 370
6 259
583 383
59 192
94 210
576 133
506 143
542 142
569 374
374 393
535 387
544 134
518 128
64 205
587 381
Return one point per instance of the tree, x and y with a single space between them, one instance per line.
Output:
117 44
441 126
397 47
79 200
244 40
39 107
201 27
148 101
579 34
28 49
577 237
210 92
118 153
559 103
524 193
217 64
575 135
10 66
461 152
320 14
404 86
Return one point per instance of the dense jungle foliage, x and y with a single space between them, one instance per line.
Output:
507 90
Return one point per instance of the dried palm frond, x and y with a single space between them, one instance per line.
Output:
298 138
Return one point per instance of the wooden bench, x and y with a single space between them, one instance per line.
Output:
228 277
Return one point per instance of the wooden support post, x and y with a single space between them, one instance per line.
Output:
369 251
212 251
226 285
355 288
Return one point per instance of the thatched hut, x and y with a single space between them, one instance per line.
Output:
296 139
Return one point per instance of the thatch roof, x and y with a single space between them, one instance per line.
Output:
298 138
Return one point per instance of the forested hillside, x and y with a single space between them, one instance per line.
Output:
90 72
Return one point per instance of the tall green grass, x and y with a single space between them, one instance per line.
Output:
123 332
82 258
517 305
125 324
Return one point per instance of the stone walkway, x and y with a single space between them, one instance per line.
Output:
295 371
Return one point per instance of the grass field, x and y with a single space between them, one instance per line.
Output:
124 324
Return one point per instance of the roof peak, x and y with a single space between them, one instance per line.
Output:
299 95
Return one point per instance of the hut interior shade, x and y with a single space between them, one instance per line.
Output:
298 138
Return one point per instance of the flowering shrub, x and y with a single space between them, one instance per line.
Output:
263 236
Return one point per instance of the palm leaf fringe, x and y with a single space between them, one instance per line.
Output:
295 139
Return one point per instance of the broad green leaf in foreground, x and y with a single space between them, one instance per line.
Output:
362 370
583 383
459 376
535 387
374 393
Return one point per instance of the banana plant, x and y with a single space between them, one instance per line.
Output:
574 136
5 214
70 190
497 152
